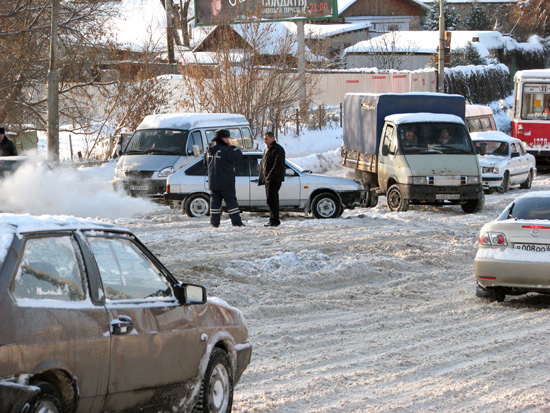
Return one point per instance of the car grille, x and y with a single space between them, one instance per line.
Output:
139 174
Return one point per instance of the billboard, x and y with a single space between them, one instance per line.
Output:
214 12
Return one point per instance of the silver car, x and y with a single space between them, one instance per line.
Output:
93 322
504 162
323 196
514 250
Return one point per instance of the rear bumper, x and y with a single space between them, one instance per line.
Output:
351 199
528 275
430 193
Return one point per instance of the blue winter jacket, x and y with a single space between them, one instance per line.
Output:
220 160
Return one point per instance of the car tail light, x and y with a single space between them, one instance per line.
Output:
535 227
168 188
493 238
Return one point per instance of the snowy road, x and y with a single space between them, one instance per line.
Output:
375 311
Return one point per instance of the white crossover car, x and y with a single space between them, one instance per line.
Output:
503 160
323 196
513 255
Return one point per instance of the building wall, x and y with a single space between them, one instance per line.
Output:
333 86
414 62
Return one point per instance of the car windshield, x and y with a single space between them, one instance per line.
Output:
157 141
496 148
434 138
535 207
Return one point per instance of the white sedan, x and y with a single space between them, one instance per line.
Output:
513 255
323 196
503 160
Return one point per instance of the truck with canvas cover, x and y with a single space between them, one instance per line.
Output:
413 148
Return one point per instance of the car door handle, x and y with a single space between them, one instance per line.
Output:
121 325
254 181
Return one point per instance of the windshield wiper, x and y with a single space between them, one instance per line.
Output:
160 151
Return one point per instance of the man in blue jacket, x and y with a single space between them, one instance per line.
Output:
220 159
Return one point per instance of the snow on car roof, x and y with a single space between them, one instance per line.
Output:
16 224
186 121
423 117
492 136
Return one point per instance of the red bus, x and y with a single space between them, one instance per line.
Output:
531 119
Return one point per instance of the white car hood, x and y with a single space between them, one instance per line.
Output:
489 160
340 183
146 162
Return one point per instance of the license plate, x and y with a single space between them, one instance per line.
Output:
533 247
139 188
447 196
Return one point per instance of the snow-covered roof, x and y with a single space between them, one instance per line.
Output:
426 42
423 117
321 31
186 121
15 224
543 74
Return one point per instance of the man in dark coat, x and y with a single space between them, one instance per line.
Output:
7 147
272 176
220 159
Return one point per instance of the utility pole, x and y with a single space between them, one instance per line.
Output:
441 54
169 30
53 90
301 62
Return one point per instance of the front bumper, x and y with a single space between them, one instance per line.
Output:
244 355
146 188
431 193
15 397
492 271
491 181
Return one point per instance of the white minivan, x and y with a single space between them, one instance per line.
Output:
164 143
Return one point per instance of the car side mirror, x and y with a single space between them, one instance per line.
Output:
515 155
289 172
188 294
385 150
196 150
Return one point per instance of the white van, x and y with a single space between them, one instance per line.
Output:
162 144
479 118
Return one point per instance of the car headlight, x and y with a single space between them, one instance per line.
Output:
487 170
165 172
419 180
497 239
473 180
119 173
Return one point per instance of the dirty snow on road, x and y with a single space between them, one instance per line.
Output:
374 311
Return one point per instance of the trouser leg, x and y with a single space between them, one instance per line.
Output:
215 208
232 207
272 195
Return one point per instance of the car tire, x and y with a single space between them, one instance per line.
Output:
474 206
372 197
197 205
48 400
216 394
326 205
395 200
528 182
505 186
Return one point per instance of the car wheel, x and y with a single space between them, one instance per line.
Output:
197 205
372 197
395 200
47 401
528 181
505 186
326 205
474 206
216 394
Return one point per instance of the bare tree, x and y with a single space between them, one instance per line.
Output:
390 50
254 74
532 17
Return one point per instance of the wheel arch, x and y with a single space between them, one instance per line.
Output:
322 191
64 382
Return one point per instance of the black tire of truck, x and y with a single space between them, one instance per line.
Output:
372 197
474 206
395 200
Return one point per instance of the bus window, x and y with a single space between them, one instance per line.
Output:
535 100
